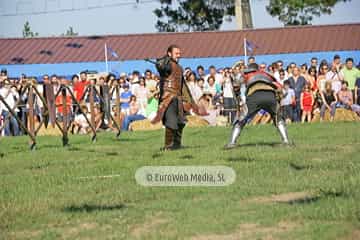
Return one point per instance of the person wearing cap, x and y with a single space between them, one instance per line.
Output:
261 93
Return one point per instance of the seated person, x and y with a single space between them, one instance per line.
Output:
152 103
80 122
205 103
261 117
346 98
133 113
329 100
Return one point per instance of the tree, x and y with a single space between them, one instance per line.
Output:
192 15
27 33
294 12
70 32
204 15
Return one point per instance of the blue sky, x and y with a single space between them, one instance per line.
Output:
126 18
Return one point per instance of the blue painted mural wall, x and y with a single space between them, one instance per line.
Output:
68 69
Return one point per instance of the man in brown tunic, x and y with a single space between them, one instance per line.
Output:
174 96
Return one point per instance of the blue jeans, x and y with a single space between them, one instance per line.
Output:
129 119
324 108
11 122
297 111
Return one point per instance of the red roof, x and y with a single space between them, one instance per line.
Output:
194 44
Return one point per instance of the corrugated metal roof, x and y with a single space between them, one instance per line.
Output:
194 44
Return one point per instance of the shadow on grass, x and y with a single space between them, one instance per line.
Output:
304 200
323 195
299 167
111 153
265 144
88 208
161 152
157 155
40 166
131 139
241 159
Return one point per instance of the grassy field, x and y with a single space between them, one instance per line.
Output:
310 191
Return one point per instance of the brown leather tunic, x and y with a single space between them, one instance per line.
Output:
173 83
172 88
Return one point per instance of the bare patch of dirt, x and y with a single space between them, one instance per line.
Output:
27 234
355 235
140 231
283 198
251 231
69 232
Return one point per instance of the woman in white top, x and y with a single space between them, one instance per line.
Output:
195 90
141 94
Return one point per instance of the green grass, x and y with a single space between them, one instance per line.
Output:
42 194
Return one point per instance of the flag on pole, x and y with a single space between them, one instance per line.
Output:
112 52
250 46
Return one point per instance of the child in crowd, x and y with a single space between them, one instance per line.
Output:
307 102
288 102
125 99
81 123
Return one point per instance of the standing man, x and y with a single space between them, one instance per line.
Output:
261 93
80 86
297 82
350 73
174 96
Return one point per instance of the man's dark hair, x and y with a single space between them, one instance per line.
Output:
253 58
349 60
253 66
345 82
83 72
148 71
72 77
336 57
136 73
172 47
200 67
212 67
109 76
314 58
53 76
287 82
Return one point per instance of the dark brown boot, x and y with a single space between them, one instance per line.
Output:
169 139
177 138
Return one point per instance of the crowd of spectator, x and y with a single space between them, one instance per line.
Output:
309 89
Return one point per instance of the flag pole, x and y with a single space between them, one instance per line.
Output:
245 52
106 59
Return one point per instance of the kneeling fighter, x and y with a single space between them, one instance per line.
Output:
261 93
